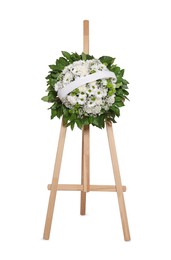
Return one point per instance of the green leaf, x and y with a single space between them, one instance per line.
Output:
115 110
101 121
118 84
48 76
116 70
51 98
90 119
122 72
119 104
95 121
126 98
79 123
55 106
89 57
72 123
86 121
52 82
124 81
53 113
119 91
59 66
67 55
45 98
125 92
107 59
84 56
124 87
62 61
75 56
118 98
54 75
53 67
50 88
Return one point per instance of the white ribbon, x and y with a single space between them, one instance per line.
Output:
83 80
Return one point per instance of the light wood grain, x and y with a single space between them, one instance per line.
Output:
78 187
86 36
55 179
118 181
86 158
85 168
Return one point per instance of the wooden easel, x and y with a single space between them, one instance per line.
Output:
85 180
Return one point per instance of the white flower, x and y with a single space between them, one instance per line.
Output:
58 85
104 82
81 99
93 87
92 84
106 107
91 97
110 100
80 68
113 82
96 110
104 92
72 99
88 109
83 88
98 101
68 77
98 93
91 103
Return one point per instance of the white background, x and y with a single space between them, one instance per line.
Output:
32 35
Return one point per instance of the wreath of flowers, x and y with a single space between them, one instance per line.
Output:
93 102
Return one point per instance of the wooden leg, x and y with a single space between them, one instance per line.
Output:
55 179
85 176
118 181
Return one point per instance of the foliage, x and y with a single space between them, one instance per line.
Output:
71 117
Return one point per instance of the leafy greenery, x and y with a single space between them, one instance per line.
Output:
71 117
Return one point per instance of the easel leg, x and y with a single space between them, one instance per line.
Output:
55 179
85 176
118 181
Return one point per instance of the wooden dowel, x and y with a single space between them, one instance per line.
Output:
86 36
85 175
78 187
118 182
86 157
55 179
107 188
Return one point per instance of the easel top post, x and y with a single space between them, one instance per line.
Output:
86 36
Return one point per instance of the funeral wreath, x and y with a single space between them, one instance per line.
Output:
85 90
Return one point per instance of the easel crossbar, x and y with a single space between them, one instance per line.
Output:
78 187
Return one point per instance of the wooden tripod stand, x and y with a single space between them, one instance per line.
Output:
85 180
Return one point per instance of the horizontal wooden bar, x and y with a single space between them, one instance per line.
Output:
78 187
111 188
